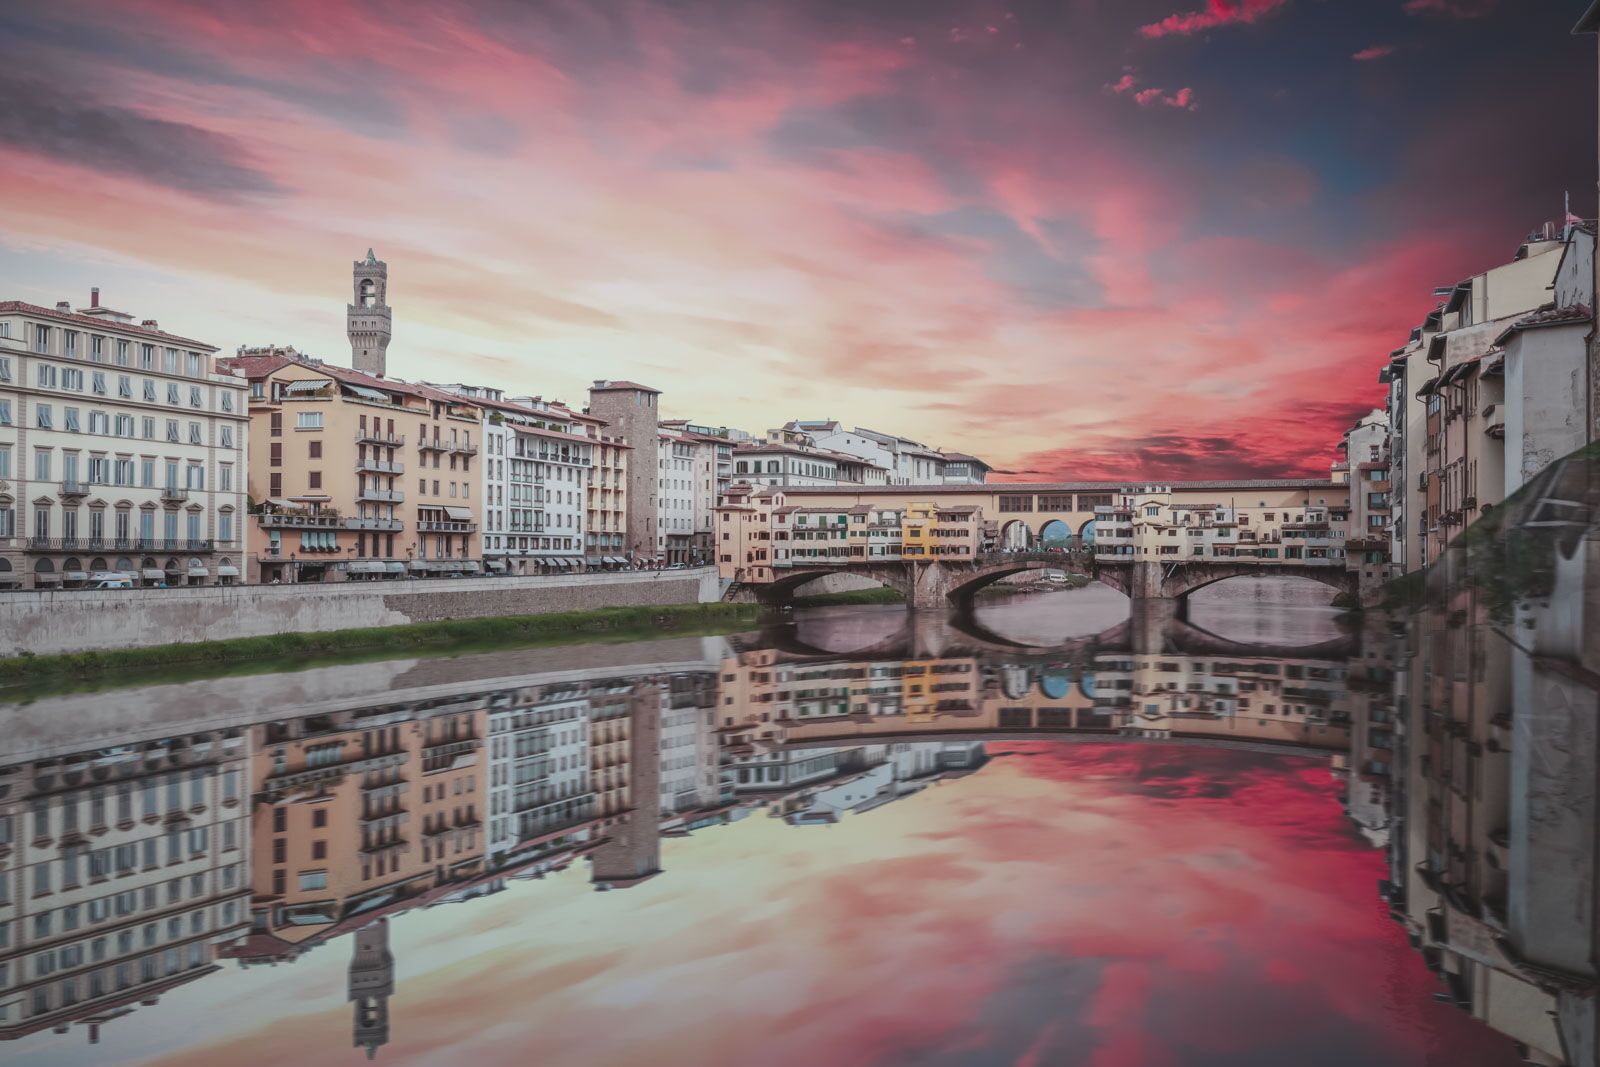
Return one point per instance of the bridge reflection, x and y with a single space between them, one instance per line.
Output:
1149 628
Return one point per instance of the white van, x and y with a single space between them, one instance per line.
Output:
110 580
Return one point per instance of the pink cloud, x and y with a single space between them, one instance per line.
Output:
1376 51
1215 13
1182 99
1122 84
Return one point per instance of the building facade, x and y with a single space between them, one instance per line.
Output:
356 476
369 319
631 412
122 449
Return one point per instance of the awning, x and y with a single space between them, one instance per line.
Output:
418 565
459 514
495 564
46 576
152 572
370 394
366 566
394 567
279 502
75 576
197 570
227 572
304 387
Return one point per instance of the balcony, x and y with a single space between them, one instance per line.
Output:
446 526
74 488
378 466
440 445
381 496
301 520
173 494
107 544
1495 421
378 437
386 525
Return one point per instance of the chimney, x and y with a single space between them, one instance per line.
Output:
149 324
63 305
94 297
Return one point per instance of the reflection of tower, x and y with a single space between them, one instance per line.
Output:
367 320
370 986
632 850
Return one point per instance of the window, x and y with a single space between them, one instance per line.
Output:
315 450
41 339
172 392
194 434
313 880
71 419
225 477
150 390
172 429
227 400
122 353
196 365
5 368
125 387
225 526
308 420
227 437
45 376
5 411
99 382
44 417
194 397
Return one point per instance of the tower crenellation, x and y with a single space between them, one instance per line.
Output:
368 317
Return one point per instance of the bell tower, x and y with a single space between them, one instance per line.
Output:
367 319
370 985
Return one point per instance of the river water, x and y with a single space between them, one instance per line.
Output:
1043 833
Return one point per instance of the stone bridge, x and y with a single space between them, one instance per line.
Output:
936 585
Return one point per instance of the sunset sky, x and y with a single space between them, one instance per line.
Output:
1093 905
1081 238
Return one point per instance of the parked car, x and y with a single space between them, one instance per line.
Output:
110 580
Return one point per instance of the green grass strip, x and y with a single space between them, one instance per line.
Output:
447 635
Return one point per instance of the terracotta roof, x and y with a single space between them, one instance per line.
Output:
963 457
606 387
1548 315
253 367
98 322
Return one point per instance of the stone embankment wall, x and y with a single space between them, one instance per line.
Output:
42 623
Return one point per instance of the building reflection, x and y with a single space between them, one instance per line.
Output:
132 870
1495 772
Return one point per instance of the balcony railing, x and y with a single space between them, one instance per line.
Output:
382 496
302 521
108 544
446 526
378 437
380 466
73 487
174 494
358 523
439 444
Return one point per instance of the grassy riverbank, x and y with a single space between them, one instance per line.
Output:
133 665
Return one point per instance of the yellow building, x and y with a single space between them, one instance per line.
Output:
357 477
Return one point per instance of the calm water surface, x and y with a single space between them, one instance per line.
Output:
1047 833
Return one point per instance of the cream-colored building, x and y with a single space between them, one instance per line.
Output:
122 449
606 515
358 477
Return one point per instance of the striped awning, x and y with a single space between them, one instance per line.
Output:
305 387
152 573
459 514
367 566
228 572
394 567
370 394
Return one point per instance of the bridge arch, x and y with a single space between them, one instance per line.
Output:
1055 533
1186 580
1055 682
1016 534
1086 533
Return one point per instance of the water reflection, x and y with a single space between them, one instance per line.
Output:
869 841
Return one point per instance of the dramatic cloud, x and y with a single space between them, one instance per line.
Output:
1376 51
1031 239
1217 13
47 119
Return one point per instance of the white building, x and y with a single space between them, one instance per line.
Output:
675 496
889 458
538 765
121 449
536 471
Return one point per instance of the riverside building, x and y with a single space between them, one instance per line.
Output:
358 477
122 449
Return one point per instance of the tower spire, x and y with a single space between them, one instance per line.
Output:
368 319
